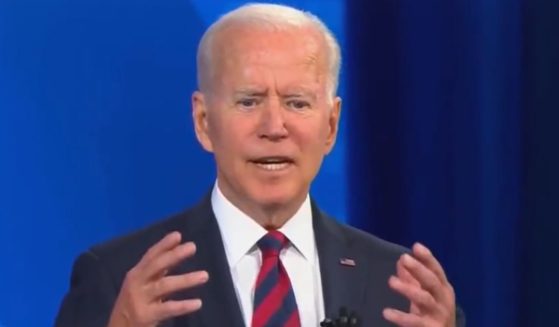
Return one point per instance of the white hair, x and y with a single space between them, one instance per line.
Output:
276 16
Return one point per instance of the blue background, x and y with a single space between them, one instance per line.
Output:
96 134
448 137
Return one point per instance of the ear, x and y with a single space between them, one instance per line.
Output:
333 123
200 119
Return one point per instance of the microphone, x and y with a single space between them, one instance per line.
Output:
344 319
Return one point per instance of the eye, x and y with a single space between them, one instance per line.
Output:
247 102
298 104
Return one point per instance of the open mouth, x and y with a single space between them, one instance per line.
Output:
273 163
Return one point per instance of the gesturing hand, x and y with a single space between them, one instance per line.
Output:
422 280
140 302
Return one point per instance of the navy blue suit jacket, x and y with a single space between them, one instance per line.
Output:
98 274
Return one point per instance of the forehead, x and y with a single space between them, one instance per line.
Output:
244 51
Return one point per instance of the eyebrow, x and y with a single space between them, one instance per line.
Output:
300 94
255 92
251 92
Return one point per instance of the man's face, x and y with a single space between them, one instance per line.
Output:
267 117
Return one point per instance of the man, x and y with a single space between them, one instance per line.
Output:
257 251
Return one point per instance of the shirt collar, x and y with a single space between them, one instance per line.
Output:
240 232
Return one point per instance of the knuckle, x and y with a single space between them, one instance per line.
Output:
167 310
424 297
188 279
445 312
449 293
427 299
128 284
162 286
151 252
131 274
433 286
445 315
178 252
148 254
450 289
418 293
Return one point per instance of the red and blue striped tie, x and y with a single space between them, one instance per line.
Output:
274 300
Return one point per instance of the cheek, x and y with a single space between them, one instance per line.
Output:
228 132
314 133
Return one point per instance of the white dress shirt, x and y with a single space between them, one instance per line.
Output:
240 234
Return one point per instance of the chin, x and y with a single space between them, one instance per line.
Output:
275 195
274 201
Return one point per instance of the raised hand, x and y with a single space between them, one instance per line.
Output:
422 280
141 301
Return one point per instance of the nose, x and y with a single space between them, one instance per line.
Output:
272 121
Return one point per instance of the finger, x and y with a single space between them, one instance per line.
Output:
425 256
407 277
168 242
428 280
402 319
418 296
170 309
404 274
168 259
171 284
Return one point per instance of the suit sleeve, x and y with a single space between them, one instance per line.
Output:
91 296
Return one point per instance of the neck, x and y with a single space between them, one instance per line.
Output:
270 216
273 217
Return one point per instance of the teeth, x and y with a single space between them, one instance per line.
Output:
273 166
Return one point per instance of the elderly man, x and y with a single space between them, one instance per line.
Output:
257 251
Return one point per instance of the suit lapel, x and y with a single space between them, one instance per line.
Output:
346 285
219 301
341 272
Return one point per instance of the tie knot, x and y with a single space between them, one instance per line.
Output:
272 243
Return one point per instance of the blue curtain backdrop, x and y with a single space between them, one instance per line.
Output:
538 246
453 142
448 137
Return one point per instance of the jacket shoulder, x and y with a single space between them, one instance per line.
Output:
121 253
368 243
140 238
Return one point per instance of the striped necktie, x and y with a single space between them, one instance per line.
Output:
274 300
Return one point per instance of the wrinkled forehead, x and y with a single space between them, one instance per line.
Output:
245 36
242 49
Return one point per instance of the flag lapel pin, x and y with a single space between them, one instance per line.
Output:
347 262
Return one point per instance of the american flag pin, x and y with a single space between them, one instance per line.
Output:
347 262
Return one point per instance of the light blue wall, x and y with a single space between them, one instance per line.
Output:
95 133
